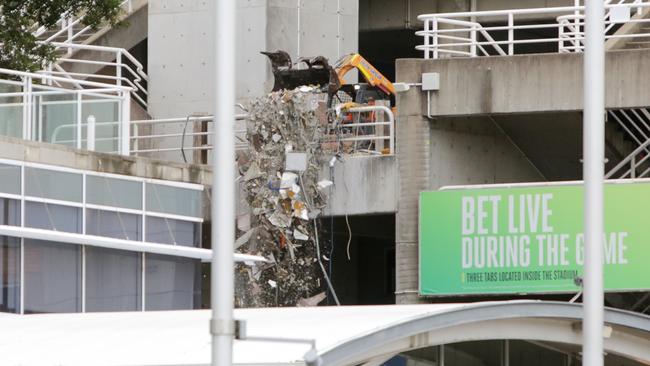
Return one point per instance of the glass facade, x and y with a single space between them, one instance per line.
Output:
172 283
113 224
113 280
48 216
52 277
485 353
65 277
9 274
170 231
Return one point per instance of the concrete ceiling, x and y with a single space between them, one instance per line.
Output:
552 141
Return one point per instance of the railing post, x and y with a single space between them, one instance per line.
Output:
118 67
391 142
27 108
79 118
560 42
472 48
511 34
633 167
125 124
434 39
427 26
90 133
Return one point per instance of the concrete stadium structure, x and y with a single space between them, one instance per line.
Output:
507 109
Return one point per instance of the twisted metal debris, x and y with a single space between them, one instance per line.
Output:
284 199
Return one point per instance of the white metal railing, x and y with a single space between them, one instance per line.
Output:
502 32
184 134
125 69
33 109
148 136
70 29
72 36
370 130
635 165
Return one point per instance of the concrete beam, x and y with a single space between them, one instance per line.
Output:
59 155
526 83
362 186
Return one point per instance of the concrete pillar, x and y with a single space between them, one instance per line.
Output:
413 159
441 152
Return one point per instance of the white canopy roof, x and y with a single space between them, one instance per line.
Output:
343 335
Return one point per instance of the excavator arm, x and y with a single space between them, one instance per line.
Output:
319 73
369 72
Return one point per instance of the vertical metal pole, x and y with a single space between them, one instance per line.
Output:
593 171
79 116
511 34
125 125
222 325
90 133
472 47
434 31
427 37
118 68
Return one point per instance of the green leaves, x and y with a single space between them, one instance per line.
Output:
20 49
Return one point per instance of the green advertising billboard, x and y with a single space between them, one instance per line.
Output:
529 239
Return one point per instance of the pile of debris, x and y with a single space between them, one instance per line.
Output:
280 180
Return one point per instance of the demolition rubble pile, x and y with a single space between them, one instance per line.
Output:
280 181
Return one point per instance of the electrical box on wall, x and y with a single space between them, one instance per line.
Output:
430 81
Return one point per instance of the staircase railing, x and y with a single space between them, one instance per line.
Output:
124 70
70 29
450 34
630 166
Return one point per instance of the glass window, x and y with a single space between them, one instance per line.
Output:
174 200
525 353
113 192
170 231
113 280
172 283
114 224
59 119
52 217
9 212
107 128
9 274
52 277
11 114
53 184
9 179
483 353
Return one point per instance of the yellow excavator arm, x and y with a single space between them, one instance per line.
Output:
369 72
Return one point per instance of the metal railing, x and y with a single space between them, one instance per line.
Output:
370 130
635 165
188 134
71 36
32 108
504 32
70 29
634 121
124 70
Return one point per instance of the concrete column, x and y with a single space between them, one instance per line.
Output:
413 161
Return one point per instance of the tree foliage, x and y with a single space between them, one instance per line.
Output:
21 50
